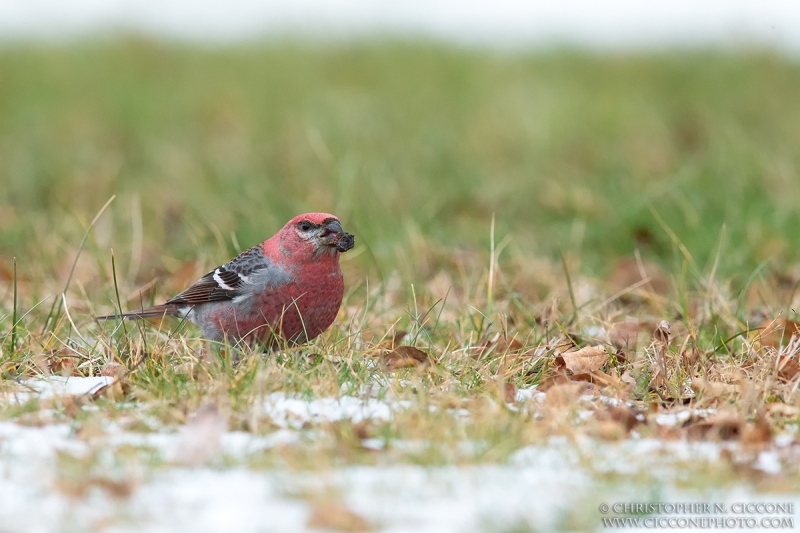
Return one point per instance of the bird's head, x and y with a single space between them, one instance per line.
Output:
314 234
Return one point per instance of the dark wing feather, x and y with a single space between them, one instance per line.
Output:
225 282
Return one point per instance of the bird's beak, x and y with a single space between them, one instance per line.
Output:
333 235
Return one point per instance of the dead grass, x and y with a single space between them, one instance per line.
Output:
471 279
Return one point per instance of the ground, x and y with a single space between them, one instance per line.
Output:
574 284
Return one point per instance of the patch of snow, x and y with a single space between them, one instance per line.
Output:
769 462
539 485
54 386
672 419
679 417
604 399
289 412
597 332
38 443
373 444
531 393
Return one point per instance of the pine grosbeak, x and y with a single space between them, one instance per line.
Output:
288 288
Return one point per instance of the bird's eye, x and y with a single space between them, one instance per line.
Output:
305 226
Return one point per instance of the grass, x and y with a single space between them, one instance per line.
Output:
507 208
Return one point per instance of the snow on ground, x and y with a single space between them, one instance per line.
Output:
54 386
543 487
291 412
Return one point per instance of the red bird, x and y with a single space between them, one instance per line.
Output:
288 288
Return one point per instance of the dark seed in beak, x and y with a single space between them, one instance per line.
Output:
345 241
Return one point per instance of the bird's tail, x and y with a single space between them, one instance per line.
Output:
157 311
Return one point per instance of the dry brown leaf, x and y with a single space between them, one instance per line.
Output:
510 392
758 434
611 430
778 332
114 370
626 377
336 517
597 377
629 417
608 430
559 378
714 389
788 368
118 488
690 357
62 365
663 332
782 410
722 427
564 394
79 488
661 339
629 272
498 345
361 430
624 334
396 338
387 344
405 356
585 360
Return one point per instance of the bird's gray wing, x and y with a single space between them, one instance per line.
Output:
235 278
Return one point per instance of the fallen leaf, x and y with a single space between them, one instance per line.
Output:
510 392
629 273
626 377
690 357
758 434
336 517
609 430
387 344
559 378
723 427
586 359
114 370
663 332
361 430
593 377
629 417
782 410
79 488
624 334
564 394
499 345
714 389
118 488
63 365
787 367
661 339
405 356
778 332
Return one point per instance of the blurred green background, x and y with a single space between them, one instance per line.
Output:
215 148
